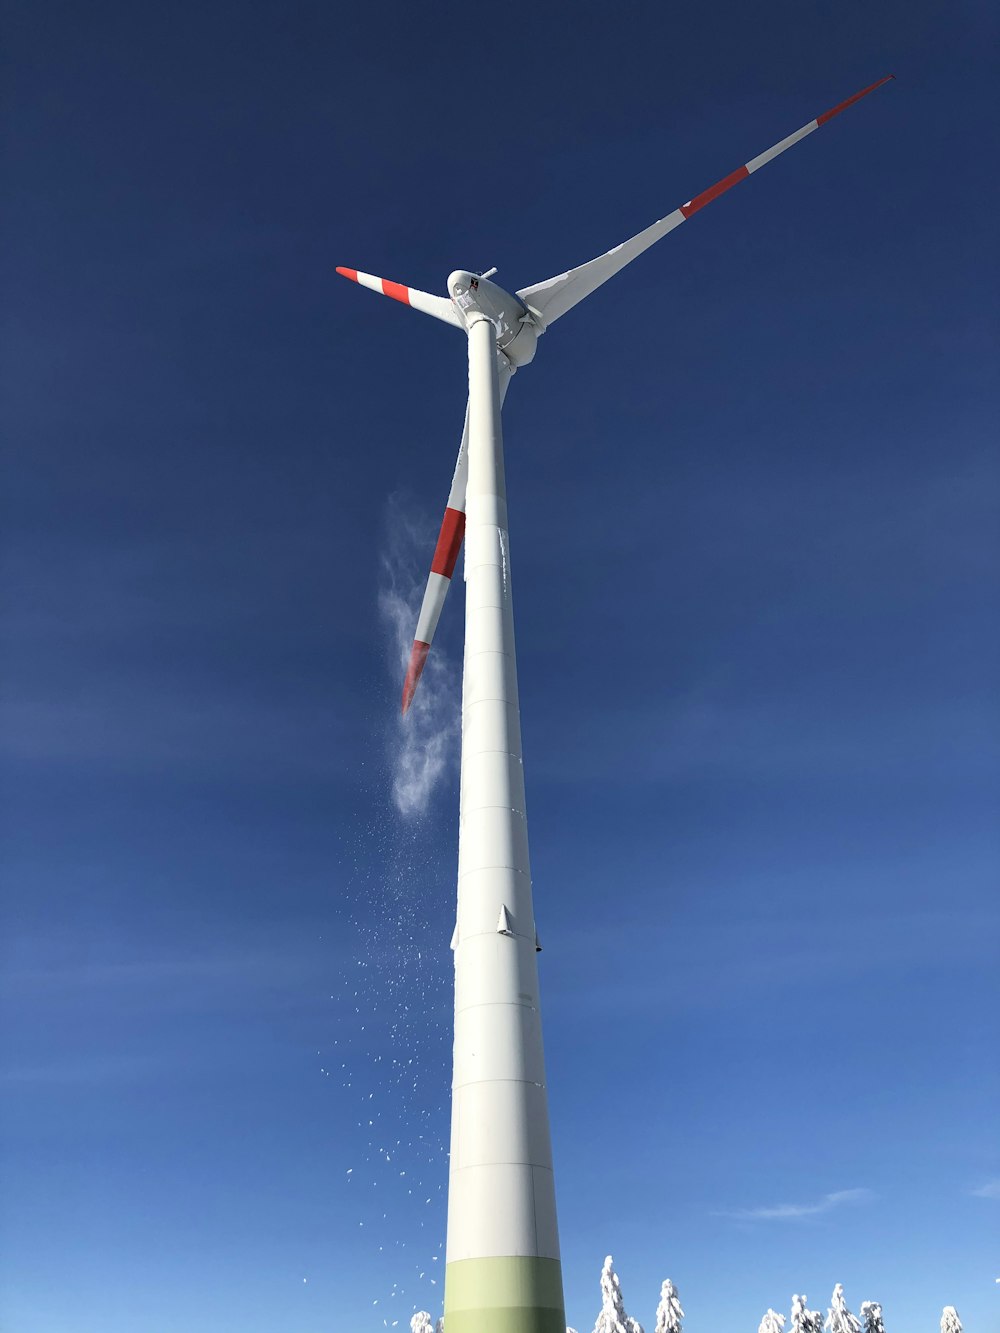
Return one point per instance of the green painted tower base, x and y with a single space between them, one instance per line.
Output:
516 1295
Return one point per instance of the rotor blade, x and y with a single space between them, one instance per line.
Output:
449 543
438 306
552 298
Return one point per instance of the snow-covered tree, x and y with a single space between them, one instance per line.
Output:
613 1318
669 1313
871 1317
772 1322
950 1322
439 1326
838 1318
421 1323
805 1320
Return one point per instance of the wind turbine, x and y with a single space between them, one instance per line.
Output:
503 1272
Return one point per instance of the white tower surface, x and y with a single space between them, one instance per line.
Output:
503 1243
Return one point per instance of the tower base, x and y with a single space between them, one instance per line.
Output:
520 1294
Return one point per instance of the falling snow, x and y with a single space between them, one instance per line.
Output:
387 1060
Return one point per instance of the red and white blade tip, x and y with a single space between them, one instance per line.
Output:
396 290
842 106
418 656
741 173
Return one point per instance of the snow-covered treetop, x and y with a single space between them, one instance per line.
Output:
805 1320
838 1318
669 1313
772 1322
871 1317
950 1322
613 1318
421 1323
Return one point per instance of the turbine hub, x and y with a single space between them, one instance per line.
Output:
515 330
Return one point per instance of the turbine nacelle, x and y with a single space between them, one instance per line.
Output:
516 330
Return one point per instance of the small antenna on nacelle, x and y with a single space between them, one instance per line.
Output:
488 274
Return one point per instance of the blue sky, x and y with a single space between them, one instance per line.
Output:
753 489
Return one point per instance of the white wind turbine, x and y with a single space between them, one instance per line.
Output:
503 1272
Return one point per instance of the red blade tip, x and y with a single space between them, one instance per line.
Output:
418 656
842 106
351 273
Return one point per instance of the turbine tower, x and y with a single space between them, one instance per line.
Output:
503 1271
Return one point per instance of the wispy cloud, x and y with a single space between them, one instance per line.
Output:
128 975
98 1070
792 1212
102 1008
424 742
991 1190
740 951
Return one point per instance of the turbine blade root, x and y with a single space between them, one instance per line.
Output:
439 306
